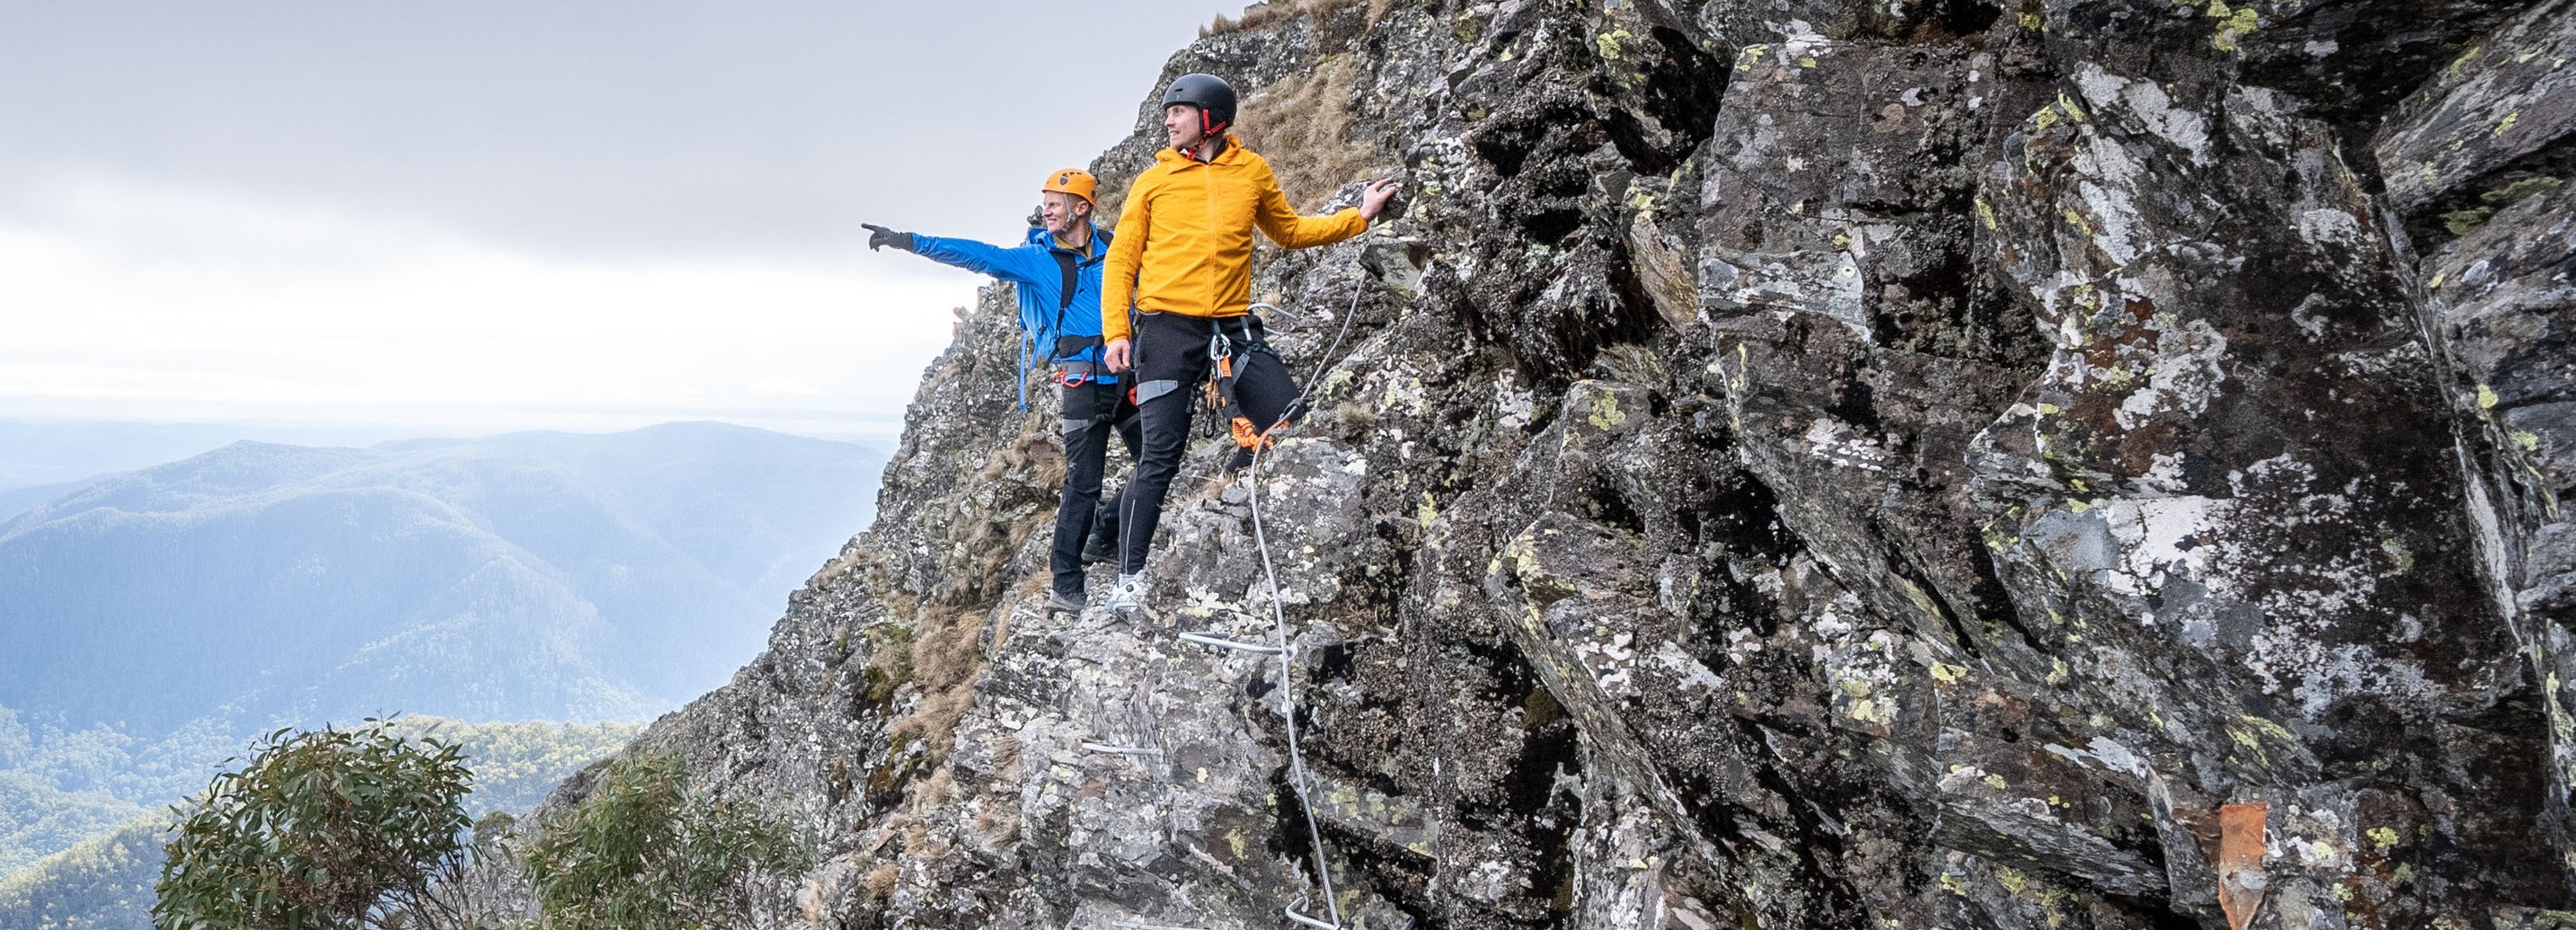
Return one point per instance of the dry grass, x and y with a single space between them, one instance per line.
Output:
944 661
1277 11
1303 126
880 881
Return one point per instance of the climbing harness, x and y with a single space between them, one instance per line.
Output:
1058 345
1077 374
1300 779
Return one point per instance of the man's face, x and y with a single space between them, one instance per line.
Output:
1181 123
1062 211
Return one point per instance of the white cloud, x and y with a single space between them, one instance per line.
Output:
124 300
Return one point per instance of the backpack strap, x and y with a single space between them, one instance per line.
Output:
1068 345
1072 276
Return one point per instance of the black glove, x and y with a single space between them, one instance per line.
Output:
880 237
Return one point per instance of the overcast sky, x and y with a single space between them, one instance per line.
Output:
469 215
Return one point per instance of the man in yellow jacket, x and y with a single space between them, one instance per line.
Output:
1182 259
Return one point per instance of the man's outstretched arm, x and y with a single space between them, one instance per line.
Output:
1020 265
1281 223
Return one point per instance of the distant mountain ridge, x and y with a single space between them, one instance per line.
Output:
72 453
529 576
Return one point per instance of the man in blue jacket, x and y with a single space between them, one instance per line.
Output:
1057 275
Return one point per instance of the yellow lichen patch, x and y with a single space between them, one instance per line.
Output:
2528 440
2463 60
1873 710
2269 728
1946 673
1996 540
1606 415
1994 781
1952 883
1751 54
2382 837
1429 511
2486 397
1922 601
2067 104
1986 212
1855 687
2032 21
2012 879
2232 27
1608 43
2507 123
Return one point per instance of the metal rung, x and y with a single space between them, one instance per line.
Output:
1123 750
1139 925
1308 921
1210 639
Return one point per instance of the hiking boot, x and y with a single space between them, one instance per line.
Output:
1128 595
1061 602
1099 550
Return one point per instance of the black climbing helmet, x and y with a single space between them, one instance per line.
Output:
1211 94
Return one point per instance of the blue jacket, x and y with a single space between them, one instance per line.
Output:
1038 277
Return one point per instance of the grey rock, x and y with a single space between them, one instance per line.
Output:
1816 464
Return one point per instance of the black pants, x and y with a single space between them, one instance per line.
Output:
1092 411
1172 361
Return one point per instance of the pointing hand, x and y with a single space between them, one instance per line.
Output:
880 237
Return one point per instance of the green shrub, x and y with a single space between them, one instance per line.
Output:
645 852
324 829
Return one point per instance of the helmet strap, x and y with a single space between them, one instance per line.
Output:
1208 130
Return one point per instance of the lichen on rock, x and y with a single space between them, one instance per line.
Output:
1807 465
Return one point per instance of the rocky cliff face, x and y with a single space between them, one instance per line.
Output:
1816 464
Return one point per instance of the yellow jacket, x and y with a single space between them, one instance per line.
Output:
1184 240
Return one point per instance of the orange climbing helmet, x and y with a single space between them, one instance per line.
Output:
1073 181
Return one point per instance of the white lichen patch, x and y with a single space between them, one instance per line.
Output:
2147 103
1836 442
1611 660
2185 377
1404 392
1513 404
2330 227
1687 669
2165 474
2103 753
